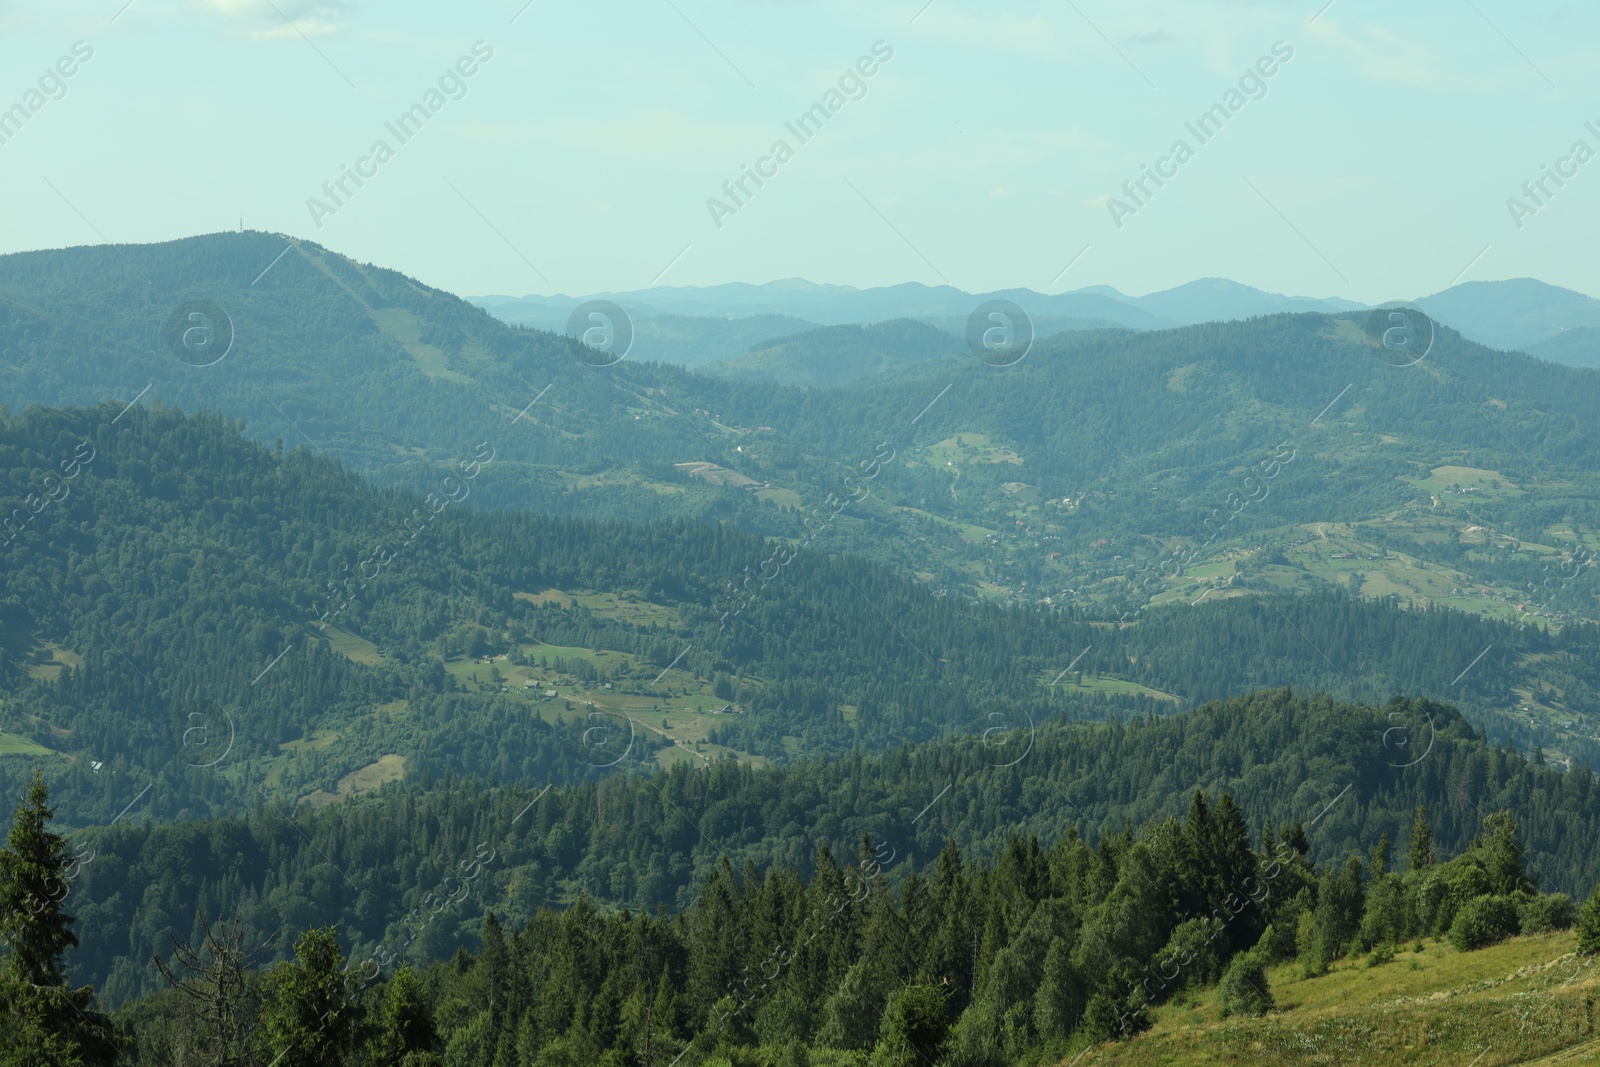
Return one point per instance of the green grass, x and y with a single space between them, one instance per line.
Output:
784 499
972 448
1522 1001
390 768
626 606
12 745
59 657
1490 485
965 529
1103 684
350 645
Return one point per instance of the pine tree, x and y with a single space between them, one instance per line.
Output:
308 1018
34 927
1589 925
493 961
45 1023
1380 857
1420 855
406 1034
1503 854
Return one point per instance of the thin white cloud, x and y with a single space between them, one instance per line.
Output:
1007 33
264 20
1381 54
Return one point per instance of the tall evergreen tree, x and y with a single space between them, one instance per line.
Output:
406 1034
1503 855
1380 857
1589 925
46 1024
1420 855
309 1018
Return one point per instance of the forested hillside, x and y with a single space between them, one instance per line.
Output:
1292 452
832 355
625 639
1352 774
195 620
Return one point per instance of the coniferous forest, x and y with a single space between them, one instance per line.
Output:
470 757
799 534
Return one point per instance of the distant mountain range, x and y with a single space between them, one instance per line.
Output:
1109 470
1523 314
698 326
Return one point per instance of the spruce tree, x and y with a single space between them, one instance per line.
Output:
406 1034
1420 855
309 1018
45 1023
1380 857
1589 925
35 928
1503 855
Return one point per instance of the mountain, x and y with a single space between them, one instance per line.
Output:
661 337
578 681
1519 314
1107 472
1098 307
1218 300
831 355
1576 346
1513 314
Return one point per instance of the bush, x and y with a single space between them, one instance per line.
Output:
1102 1017
1483 921
1111 1018
1382 953
1540 913
1388 914
1244 986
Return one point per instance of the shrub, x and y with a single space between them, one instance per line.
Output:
1244 985
1483 921
1382 953
1387 916
1102 1017
1542 912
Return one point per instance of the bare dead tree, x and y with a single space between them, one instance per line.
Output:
215 981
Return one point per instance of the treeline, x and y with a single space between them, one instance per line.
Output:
648 843
963 961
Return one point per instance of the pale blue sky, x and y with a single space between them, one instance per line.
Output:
1383 151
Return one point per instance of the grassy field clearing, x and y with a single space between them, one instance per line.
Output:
1527 1001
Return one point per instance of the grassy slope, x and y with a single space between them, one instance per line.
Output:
1528 1001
